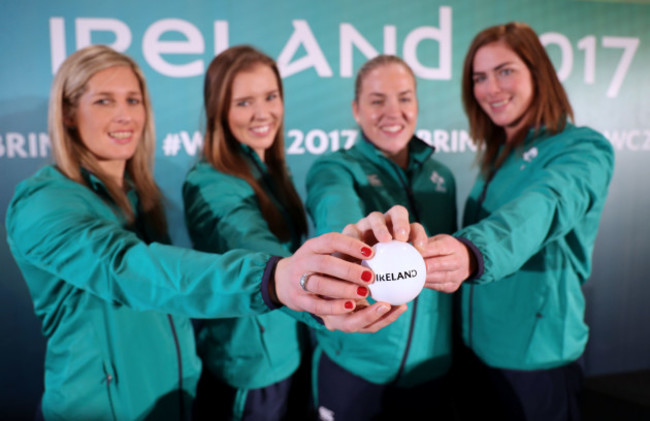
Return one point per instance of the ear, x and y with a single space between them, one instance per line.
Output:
355 110
69 119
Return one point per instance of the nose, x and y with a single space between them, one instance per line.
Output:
261 111
392 107
492 85
123 113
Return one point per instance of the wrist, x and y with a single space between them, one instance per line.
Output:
476 265
268 287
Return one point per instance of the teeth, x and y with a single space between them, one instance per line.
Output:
261 130
120 135
392 129
500 103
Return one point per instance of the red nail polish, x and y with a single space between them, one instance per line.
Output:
366 276
349 305
366 251
362 291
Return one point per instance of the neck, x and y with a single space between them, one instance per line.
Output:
114 170
401 158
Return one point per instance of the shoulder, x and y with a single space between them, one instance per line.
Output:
341 162
50 187
203 177
576 135
583 141
342 156
49 196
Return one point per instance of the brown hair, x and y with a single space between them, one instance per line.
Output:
372 64
70 154
550 106
222 149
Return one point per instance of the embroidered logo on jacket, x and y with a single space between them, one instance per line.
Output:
528 156
374 180
439 181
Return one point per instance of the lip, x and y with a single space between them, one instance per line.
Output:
121 136
391 129
500 104
261 131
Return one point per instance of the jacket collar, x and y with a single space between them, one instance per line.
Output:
258 167
419 151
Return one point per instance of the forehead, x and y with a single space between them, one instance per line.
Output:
387 76
493 55
259 78
116 78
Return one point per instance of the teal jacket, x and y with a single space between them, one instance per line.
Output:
222 213
101 293
535 231
344 186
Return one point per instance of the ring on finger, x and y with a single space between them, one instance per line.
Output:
303 280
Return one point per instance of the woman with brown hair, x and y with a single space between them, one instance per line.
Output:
89 236
530 224
240 196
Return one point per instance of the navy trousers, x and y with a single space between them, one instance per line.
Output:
285 400
343 396
545 395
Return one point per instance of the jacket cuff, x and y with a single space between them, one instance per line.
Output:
318 319
268 277
480 265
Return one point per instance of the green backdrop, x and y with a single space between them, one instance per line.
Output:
601 50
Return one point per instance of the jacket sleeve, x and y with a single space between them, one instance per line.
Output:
571 187
225 215
332 200
67 232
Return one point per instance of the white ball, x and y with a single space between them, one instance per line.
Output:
400 272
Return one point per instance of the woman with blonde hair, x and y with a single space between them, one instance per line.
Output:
88 234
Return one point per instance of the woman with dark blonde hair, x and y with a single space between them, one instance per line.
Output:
88 234
530 225
398 372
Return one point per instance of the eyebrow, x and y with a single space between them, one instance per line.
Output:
109 93
408 91
241 98
507 63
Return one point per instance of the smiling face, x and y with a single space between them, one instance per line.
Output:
110 117
503 86
387 110
256 109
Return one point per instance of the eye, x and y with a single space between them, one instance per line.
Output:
406 99
242 103
377 101
272 96
134 101
505 72
478 78
102 101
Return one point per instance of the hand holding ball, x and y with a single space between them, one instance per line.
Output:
400 272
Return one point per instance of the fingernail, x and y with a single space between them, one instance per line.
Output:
366 251
366 276
349 305
382 309
362 291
